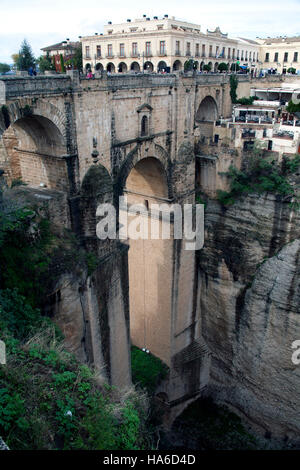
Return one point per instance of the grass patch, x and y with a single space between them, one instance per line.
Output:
147 370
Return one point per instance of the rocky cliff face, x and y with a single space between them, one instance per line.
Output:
249 282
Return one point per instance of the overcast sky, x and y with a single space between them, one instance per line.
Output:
45 22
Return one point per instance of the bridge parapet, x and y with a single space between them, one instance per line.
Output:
17 87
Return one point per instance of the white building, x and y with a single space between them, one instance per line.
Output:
164 44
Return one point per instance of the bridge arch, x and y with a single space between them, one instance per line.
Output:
150 260
34 144
138 153
207 110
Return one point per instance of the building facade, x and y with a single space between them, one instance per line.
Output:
281 53
164 45
61 52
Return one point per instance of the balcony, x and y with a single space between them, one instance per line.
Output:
188 54
203 54
148 54
109 56
177 53
197 54
162 53
98 57
135 54
122 56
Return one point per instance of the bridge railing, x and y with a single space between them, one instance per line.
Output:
16 87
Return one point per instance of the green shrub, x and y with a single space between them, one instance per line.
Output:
147 370
262 175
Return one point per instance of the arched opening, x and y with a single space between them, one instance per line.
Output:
162 66
99 67
135 67
144 126
196 65
122 67
33 150
148 66
201 66
110 67
150 261
208 110
177 65
216 66
87 67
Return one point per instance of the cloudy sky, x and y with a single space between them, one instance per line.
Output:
45 22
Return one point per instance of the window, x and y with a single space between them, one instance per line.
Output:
109 50
188 48
87 52
203 50
197 54
295 57
250 55
246 55
242 55
134 49
98 51
122 50
229 52
267 57
162 47
276 57
223 52
233 53
177 50
286 57
210 51
144 126
238 54
148 48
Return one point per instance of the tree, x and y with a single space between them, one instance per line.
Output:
207 67
4 68
77 59
189 65
233 88
45 63
293 107
291 70
15 58
62 64
26 58
235 67
222 67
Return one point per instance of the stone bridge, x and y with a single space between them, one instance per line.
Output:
94 140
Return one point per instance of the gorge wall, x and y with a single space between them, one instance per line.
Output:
249 290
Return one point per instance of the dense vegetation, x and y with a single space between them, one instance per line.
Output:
147 370
48 400
262 174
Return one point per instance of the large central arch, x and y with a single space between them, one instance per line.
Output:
150 262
